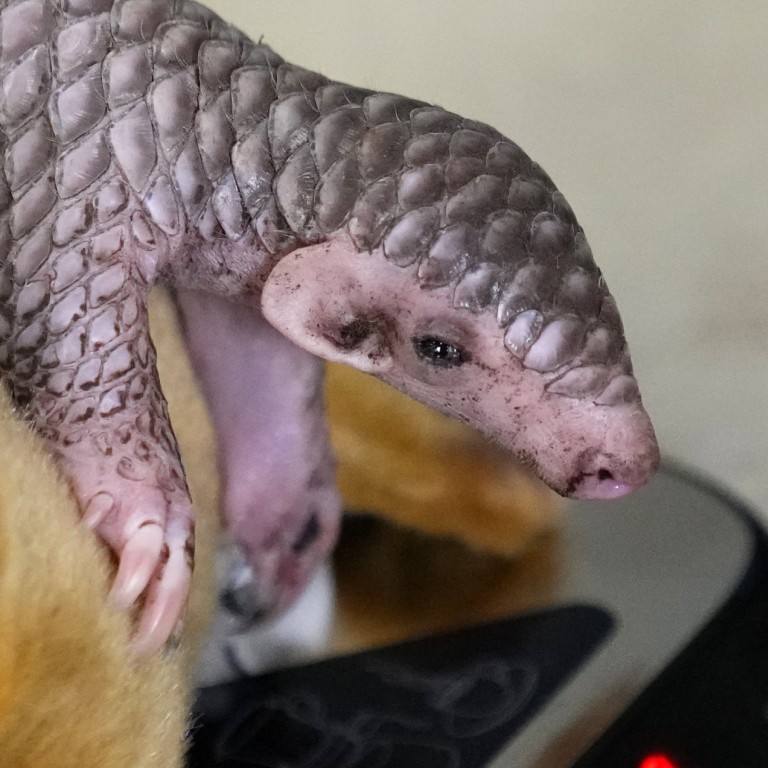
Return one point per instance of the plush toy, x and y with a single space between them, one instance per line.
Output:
71 693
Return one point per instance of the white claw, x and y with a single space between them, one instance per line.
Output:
138 561
164 606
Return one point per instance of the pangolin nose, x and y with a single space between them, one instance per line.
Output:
619 461
608 475
601 483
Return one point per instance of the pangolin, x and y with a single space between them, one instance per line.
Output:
293 218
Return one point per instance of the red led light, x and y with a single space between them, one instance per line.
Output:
657 761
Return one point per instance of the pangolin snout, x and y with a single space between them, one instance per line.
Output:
627 464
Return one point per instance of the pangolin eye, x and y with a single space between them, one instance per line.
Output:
439 352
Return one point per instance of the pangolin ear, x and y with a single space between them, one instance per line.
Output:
316 297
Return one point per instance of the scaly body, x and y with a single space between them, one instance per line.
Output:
294 218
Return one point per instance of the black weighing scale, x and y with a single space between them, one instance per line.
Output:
651 651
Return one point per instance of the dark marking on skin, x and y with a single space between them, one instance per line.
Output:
127 470
308 535
353 334
48 434
119 406
317 479
102 442
142 451
577 480
574 483
84 416
26 370
373 329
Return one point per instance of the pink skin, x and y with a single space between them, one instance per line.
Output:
579 448
265 397
147 524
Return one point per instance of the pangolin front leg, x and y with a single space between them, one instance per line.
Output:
79 360
88 219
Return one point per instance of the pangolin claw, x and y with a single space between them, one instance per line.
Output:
166 598
138 562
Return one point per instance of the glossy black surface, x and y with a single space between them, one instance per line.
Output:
440 702
709 709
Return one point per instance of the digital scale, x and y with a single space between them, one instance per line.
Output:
648 649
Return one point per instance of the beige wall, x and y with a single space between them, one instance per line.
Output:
652 117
